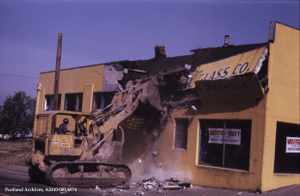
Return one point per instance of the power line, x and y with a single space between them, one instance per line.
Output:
22 76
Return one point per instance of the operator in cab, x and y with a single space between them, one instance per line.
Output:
63 128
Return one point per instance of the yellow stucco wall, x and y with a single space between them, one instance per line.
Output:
282 100
184 163
84 80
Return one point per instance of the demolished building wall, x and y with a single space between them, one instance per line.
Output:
251 175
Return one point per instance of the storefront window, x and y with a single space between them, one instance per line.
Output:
229 150
181 133
73 102
49 102
287 150
102 99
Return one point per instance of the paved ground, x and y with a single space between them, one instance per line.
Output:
15 177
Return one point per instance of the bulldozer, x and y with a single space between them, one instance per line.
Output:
75 158
89 153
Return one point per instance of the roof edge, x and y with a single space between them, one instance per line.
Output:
262 43
272 29
86 66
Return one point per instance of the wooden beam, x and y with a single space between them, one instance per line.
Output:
57 70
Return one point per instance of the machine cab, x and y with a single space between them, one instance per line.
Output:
49 140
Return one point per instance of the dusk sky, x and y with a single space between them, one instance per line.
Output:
97 32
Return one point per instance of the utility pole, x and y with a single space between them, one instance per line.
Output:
56 81
57 70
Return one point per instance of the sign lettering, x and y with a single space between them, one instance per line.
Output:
227 86
241 64
224 72
292 145
65 145
134 123
186 83
232 136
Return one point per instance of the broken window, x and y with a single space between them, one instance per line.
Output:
287 150
102 99
73 102
229 150
181 133
49 102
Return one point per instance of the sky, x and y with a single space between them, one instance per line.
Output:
101 31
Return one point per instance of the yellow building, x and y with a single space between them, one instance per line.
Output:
249 92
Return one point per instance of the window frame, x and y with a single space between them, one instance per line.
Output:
102 99
286 162
181 138
225 155
76 104
50 98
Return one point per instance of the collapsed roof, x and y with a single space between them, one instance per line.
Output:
211 61
199 57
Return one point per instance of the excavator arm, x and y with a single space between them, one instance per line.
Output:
132 96
144 90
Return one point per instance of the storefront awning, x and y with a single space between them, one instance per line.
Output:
231 80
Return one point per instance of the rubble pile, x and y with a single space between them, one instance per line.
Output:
148 184
151 184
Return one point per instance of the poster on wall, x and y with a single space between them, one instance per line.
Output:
232 136
292 145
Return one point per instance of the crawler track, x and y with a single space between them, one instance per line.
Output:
87 174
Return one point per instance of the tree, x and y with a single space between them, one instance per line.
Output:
17 115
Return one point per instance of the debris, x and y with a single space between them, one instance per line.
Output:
193 107
150 185
120 87
155 133
172 179
160 165
139 193
97 188
140 161
185 184
172 187
149 179
113 190
155 153
240 193
133 185
120 187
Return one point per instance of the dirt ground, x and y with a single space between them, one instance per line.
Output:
13 152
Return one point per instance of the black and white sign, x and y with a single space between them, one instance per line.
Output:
292 145
232 136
